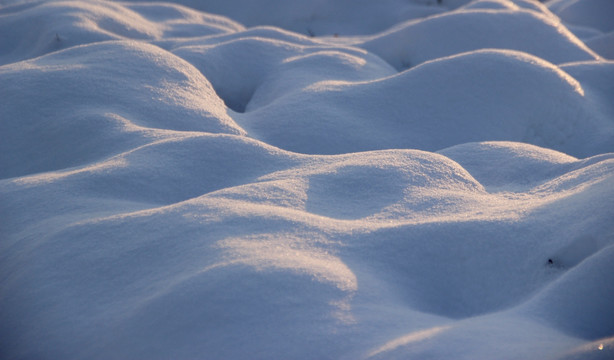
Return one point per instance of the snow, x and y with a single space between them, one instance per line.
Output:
306 180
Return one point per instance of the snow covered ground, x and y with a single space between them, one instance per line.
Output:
290 179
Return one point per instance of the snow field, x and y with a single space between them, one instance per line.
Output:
289 181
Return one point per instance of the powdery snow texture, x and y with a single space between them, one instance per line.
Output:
306 180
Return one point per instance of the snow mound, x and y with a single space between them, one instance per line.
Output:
588 13
581 312
603 44
525 165
469 29
427 243
56 25
79 86
409 110
273 58
589 20
430 179
317 18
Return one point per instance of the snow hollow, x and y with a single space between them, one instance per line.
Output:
289 179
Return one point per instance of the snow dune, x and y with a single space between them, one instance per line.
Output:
283 179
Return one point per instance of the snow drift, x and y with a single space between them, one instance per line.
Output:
290 181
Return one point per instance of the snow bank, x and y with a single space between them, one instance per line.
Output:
432 182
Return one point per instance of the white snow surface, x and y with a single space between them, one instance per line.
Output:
289 179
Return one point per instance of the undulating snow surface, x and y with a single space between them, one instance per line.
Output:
349 179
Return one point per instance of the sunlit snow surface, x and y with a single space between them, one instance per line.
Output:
400 179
